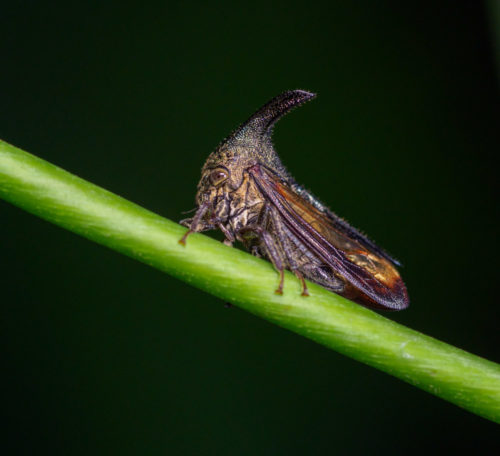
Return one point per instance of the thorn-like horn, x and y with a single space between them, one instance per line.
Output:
260 125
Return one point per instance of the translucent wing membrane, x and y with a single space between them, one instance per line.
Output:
371 279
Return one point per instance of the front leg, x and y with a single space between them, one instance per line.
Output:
273 251
195 224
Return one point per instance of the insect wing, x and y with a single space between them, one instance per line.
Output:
372 275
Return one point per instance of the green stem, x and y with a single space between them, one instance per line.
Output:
45 190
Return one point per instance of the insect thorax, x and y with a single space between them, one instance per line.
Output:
245 207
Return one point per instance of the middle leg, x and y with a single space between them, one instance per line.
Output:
272 248
290 250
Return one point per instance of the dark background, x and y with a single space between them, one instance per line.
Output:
103 355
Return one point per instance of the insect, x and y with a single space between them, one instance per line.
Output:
247 193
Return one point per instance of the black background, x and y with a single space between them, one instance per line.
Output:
103 355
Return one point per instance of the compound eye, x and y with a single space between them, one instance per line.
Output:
218 176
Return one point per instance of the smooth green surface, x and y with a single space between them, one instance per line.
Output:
68 201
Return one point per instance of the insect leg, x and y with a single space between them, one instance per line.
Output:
194 226
273 251
264 218
298 274
229 236
288 249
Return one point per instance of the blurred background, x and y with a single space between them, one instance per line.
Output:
103 355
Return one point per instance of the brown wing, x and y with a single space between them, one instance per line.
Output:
376 280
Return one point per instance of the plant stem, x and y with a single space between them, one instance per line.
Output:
55 195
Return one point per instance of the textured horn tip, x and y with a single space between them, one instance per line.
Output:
305 94
300 96
260 124
285 102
